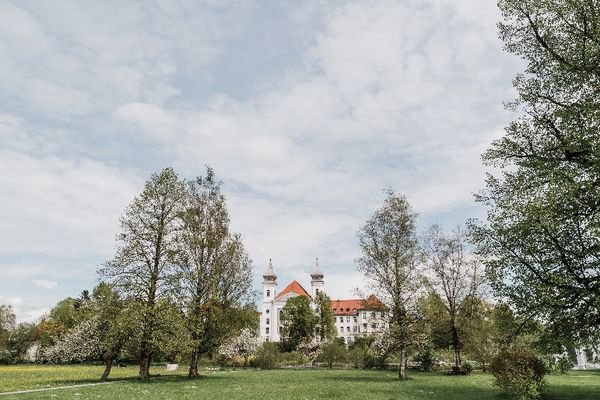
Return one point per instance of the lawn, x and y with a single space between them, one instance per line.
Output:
282 385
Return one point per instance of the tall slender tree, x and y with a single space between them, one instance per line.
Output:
325 323
390 255
455 276
214 270
142 268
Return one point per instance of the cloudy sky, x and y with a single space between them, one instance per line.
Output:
306 110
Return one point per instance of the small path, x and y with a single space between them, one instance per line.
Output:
57 388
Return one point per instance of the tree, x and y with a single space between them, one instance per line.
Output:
298 322
142 268
7 324
325 322
541 240
21 339
455 277
214 270
243 345
390 255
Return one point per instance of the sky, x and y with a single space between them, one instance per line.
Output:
306 110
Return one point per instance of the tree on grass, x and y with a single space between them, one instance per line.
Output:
244 345
390 255
455 277
142 268
298 321
541 240
213 268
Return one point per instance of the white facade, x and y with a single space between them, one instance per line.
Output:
353 318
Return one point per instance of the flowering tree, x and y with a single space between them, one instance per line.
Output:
312 348
81 343
244 345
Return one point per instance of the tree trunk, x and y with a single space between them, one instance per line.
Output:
193 371
108 361
456 345
245 362
144 367
402 364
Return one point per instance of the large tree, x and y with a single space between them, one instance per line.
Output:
543 225
214 270
142 268
390 256
455 276
298 322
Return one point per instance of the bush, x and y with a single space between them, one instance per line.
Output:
267 356
425 358
333 353
519 372
467 367
5 357
293 359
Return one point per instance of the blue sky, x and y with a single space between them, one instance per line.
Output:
306 110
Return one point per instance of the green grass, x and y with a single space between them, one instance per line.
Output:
282 385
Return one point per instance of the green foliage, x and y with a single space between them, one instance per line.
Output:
467 367
325 322
389 259
267 356
541 236
563 365
298 322
21 339
333 353
519 372
425 358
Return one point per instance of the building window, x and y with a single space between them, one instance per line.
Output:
268 321
267 330
280 329
341 319
365 327
268 293
341 329
316 291
372 315
374 326
348 339
347 319
347 329
355 319
280 314
364 315
267 311
354 329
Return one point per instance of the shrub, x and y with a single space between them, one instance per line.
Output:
5 357
467 367
425 358
333 353
293 359
267 356
519 372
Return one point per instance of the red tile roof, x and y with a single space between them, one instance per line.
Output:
351 307
293 287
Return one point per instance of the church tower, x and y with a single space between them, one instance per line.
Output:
317 283
268 325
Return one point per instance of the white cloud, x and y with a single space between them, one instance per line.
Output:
44 283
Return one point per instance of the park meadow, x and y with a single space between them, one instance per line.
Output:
280 384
